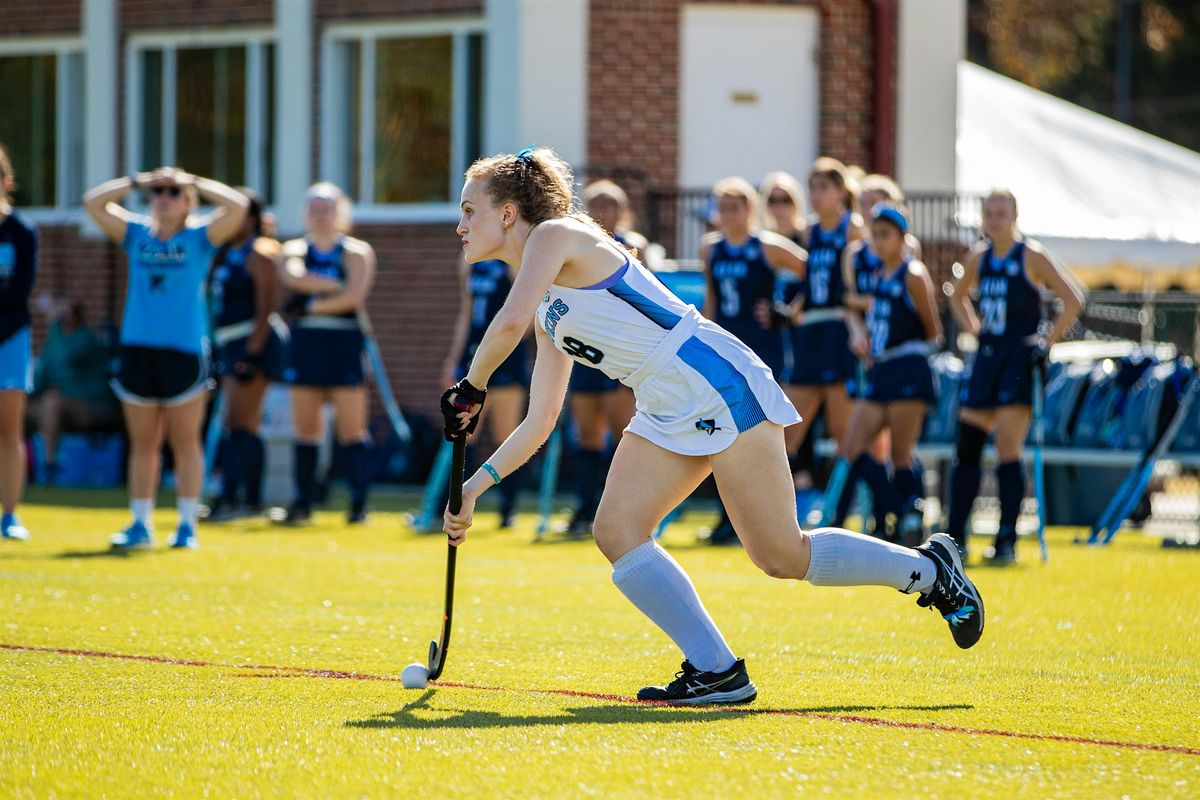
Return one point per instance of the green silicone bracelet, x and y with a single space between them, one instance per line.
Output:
490 470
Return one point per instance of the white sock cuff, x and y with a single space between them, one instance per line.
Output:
637 559
823 559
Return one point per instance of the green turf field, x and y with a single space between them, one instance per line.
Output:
267 663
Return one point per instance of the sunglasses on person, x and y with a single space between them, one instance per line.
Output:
779 200
170 191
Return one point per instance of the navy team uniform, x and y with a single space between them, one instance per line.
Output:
899 371
741 278
233 303
1001 375
326 349
820 344
899 350
1010 311
18 264
163 353
489 284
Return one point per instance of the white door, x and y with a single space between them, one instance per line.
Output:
749 97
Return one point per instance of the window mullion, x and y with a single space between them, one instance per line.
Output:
169 98
366 125
63 124
256 103
459 96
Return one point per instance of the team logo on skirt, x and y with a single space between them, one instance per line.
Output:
708 426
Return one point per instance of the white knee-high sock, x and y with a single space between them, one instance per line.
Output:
658 586
844 558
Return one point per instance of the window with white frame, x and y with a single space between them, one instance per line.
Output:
402 110
41 121
204 103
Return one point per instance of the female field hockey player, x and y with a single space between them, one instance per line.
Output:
600 406
860 271
250 339
902 329
163 377
823 362
1007 271
740 263
18 264
706 403
330 275
485 286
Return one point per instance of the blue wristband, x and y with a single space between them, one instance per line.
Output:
490 470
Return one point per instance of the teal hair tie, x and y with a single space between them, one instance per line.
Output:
490 470
526 155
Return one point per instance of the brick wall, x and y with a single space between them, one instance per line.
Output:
39 18
633 75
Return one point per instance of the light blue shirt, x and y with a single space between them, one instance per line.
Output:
164 296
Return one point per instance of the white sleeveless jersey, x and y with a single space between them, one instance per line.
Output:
697 386
613 325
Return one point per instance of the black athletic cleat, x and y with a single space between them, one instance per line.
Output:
357 514
693 687
952 593
1004 553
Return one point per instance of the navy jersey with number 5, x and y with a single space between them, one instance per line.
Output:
741 278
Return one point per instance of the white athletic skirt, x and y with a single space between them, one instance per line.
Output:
701 387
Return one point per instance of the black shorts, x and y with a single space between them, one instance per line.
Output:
155 376
821 354
901 378
322 357
586 380
1001 375
513 371
271 362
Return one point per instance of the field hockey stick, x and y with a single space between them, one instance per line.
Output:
212 436
1039 467
1144 475
375 361
431 497
549 483
438 647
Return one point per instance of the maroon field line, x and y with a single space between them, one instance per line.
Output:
302 672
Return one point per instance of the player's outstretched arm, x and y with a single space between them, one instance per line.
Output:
546 250
548 389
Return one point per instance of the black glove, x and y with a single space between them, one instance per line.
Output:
297 305
249 366
461 397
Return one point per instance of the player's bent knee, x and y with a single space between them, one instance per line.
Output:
614 537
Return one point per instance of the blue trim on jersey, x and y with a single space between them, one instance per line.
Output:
727 380
645 306
611 280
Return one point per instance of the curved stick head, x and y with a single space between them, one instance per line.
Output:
436 658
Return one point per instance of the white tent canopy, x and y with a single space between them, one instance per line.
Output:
1096 191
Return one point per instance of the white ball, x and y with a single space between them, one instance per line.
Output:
415 676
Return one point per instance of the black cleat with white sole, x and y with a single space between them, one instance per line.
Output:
693 687
952 593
